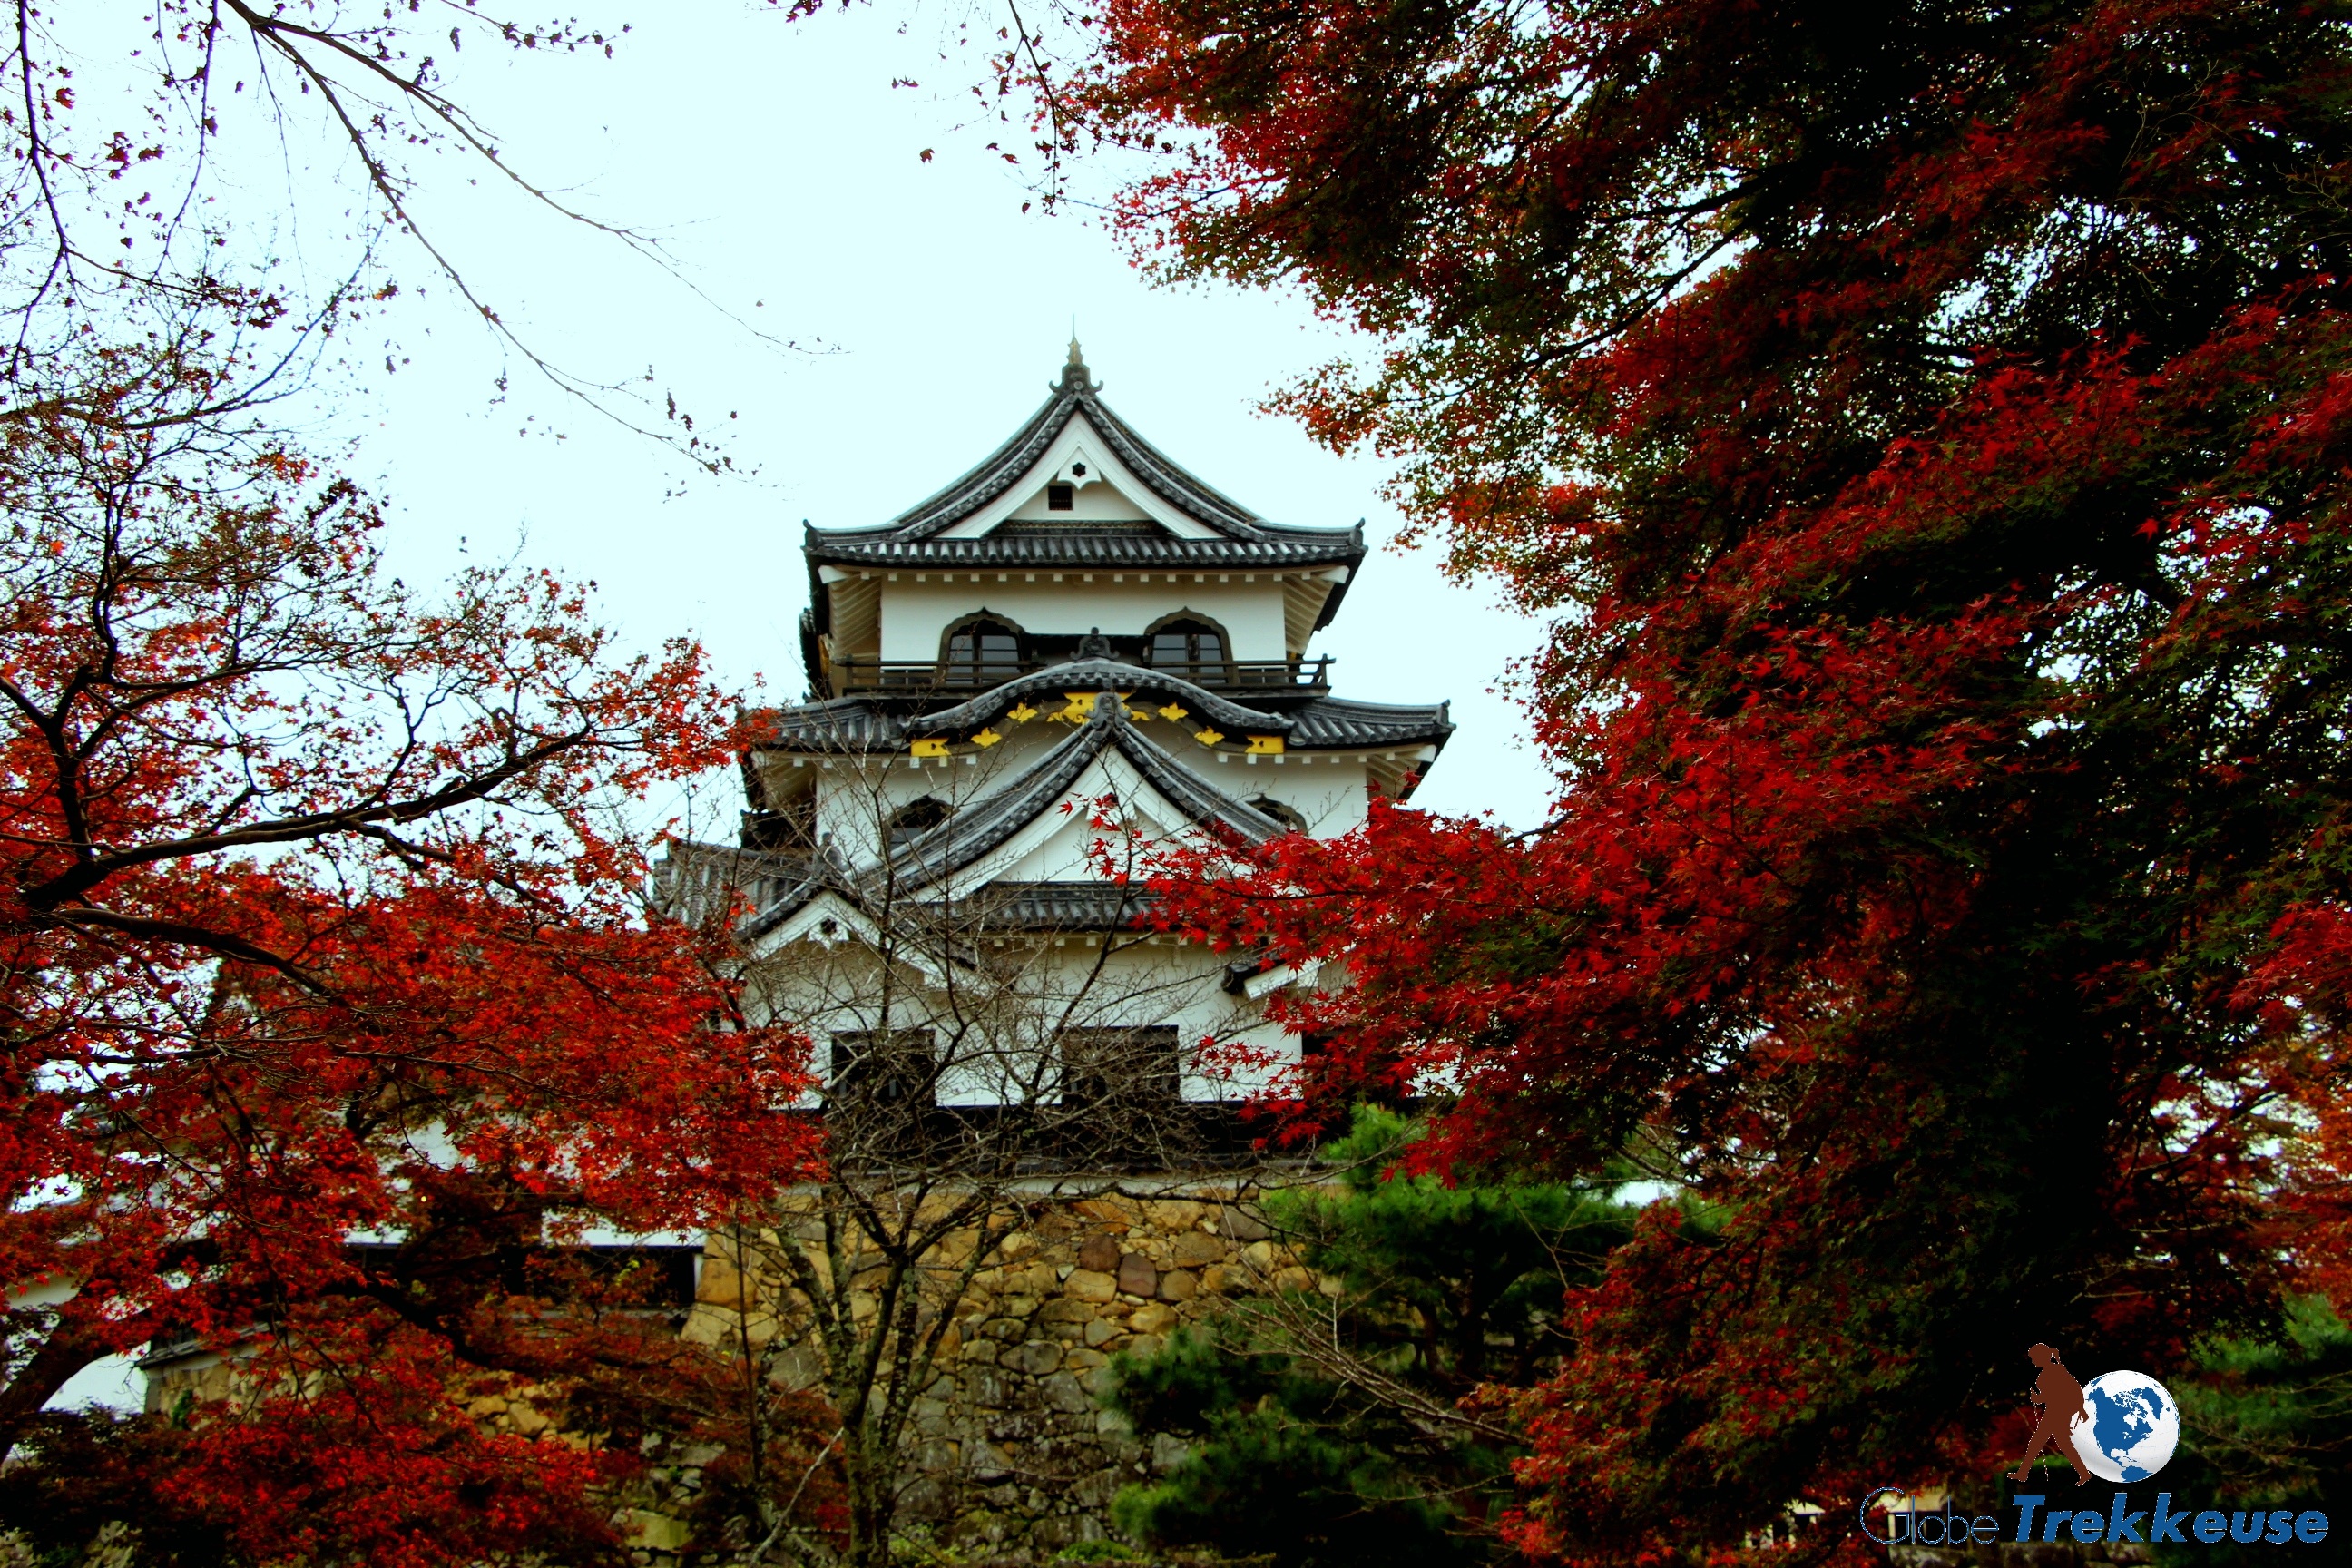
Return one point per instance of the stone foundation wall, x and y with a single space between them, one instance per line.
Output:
1013 1457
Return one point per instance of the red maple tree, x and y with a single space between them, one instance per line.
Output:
331 1006
1928 439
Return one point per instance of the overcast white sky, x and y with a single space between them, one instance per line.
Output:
781 168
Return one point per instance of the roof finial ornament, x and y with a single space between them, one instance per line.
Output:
1075 375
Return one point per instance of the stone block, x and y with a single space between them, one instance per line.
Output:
1152 1319
1299 1280
1083 1360
651 1532
1176 1285
1050 1534
1102 1331
1098 1252
1238 1224
1167 1453
1090 1285
1110 1212
990 1390
1023 1306
987 1462
1175 1214
1040 1280
982 1351
1137 1276
1062 1392
800 1366
1005 1330
1142 1346
1196 1247
1065 1309
721 1284
1218 1279
1017 1246
925 1500
1037 1358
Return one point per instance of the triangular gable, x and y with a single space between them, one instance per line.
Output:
1056 845
1105 489
1006 820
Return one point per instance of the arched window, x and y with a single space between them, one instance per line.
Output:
1192 649
981 652
1286 815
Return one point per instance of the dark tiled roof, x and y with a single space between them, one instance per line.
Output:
1322 723
1090 547
697 881
844 724
1338 724
1058 906
776 884
1099 675
1077 393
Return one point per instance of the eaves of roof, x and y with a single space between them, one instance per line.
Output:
860 725
1056 906
1077 546
1099 675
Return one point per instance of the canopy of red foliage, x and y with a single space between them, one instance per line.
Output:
320 923
1928 438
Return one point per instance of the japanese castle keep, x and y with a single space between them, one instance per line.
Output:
1075 620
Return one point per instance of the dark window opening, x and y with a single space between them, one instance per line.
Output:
624 1274
1193 649
793 827
918 816
1061 498
982 653
873 1070
1120 1070
1286 815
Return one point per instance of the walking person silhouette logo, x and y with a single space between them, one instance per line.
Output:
2060 1396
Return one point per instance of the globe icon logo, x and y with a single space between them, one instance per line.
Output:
2128 1427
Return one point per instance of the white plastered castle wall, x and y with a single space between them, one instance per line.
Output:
915 615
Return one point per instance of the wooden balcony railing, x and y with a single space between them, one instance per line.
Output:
852 676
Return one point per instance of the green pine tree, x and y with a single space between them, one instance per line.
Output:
1331 1429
